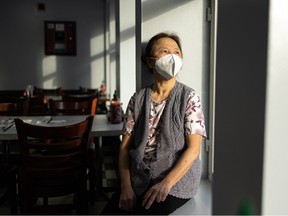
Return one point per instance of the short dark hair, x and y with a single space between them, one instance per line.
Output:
158 36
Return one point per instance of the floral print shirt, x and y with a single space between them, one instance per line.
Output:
194 122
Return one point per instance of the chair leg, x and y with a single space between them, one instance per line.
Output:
92 174
92 185
45 201
116 145
82 200
26 198
12 195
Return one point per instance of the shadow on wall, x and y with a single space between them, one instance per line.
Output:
159 7
147 76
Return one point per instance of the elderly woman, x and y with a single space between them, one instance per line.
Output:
159 161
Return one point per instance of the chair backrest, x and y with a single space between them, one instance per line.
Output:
73 106
22 105
53 163
36 105
88 90
14 108
46 91
92 98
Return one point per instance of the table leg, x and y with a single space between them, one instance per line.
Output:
100 159
5 150
100 162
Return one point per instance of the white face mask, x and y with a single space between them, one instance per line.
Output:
168 66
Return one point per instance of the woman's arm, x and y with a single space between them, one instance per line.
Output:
160 190
124 162
127 198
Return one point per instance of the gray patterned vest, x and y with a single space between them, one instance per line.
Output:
171 143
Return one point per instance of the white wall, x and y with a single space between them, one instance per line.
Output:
127 50
22 58
187 19
111 43
275 177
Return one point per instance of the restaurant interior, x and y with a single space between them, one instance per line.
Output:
62 62
91 54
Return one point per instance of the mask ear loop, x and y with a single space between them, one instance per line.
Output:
148 60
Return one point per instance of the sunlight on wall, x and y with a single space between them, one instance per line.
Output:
95 49
97 68
127 52
49 66
111 57
96 78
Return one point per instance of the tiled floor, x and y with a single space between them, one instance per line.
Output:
201 204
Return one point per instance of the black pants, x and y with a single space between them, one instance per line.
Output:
163 208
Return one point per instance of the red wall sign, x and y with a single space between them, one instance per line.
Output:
60 38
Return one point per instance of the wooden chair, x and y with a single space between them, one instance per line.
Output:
53 164
36 105
80 106
14 108
88 90
47 91
91 98
7 94
18 106
73 106
8 174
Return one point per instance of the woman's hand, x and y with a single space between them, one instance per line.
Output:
127 199
160 190
157 192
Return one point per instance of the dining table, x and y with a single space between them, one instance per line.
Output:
101 128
